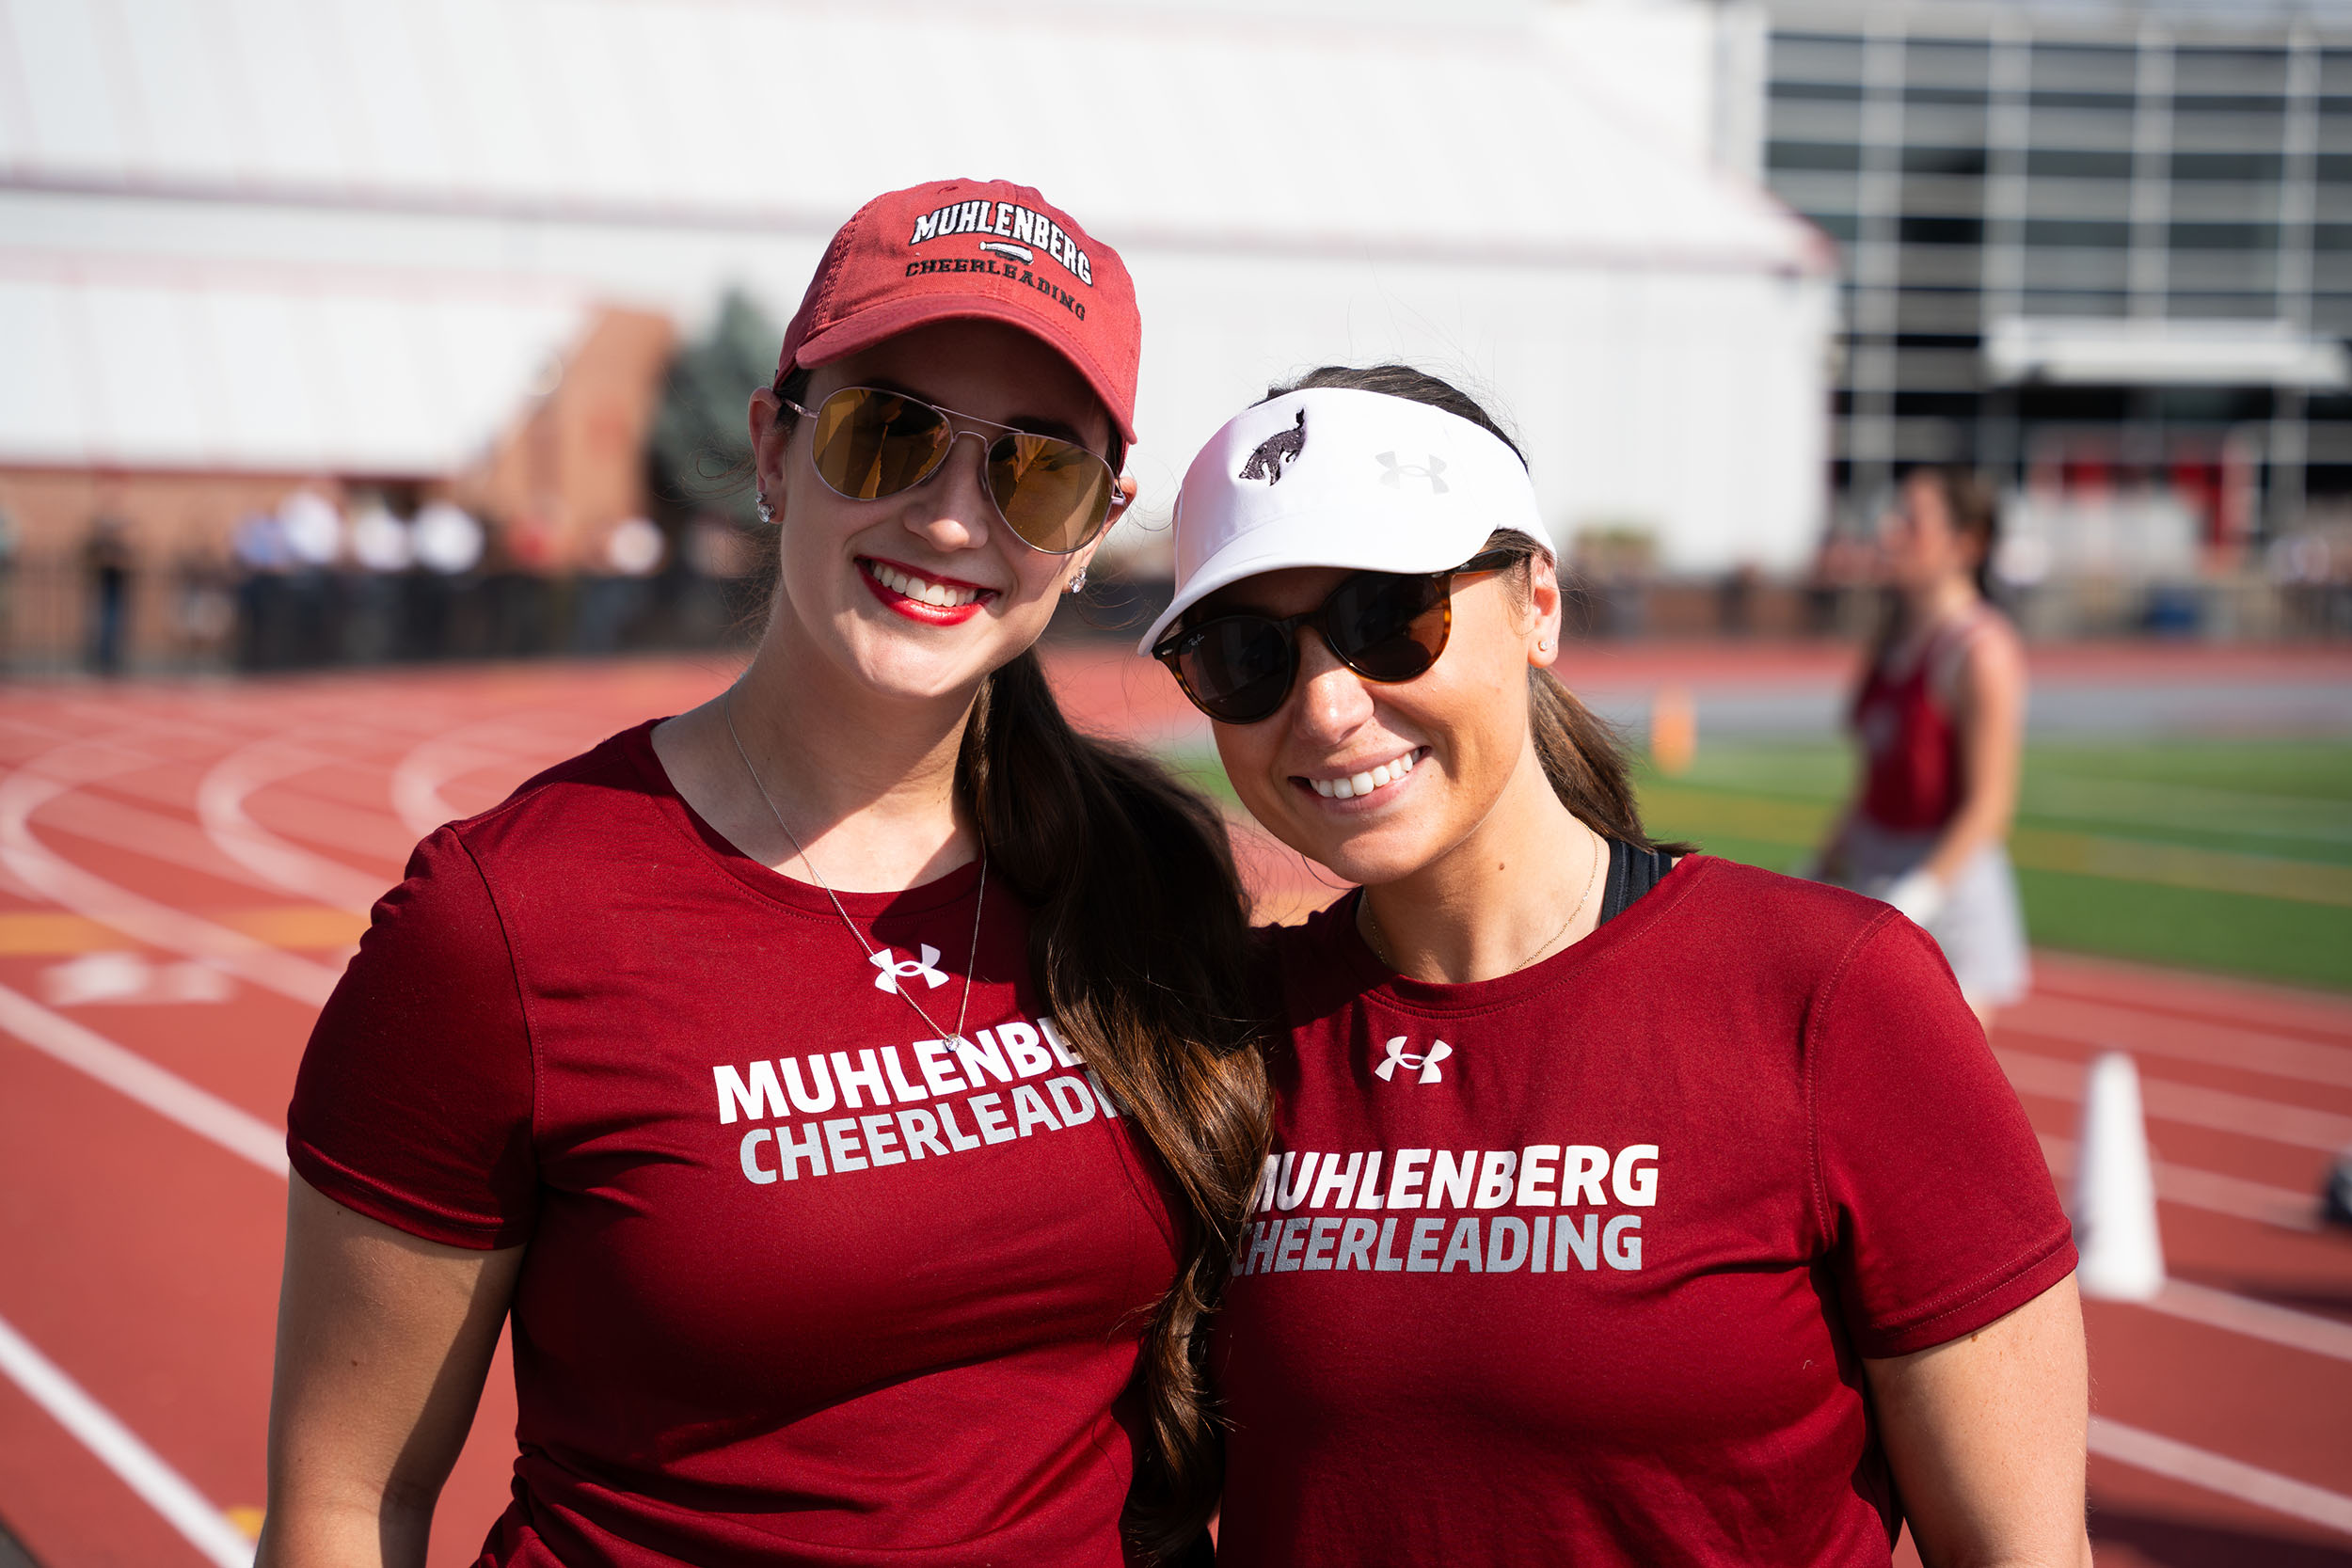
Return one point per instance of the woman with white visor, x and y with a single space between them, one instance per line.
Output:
1622 1209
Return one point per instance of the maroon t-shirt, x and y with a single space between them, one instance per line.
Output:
1575 1266
804 1285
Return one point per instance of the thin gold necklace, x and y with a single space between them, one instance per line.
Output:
1372 922
873 954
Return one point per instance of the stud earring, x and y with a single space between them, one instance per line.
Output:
767 512
1077 584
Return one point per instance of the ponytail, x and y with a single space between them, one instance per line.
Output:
1581 755
1140 938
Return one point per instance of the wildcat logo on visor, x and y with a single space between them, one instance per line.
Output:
1426 1061
894 969
1281 446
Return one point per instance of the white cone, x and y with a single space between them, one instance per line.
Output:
2115 1189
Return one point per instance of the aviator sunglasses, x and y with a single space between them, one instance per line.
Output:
1387 626
867 443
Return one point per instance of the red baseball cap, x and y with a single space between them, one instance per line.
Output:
974 249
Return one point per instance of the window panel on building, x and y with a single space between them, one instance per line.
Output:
1807 156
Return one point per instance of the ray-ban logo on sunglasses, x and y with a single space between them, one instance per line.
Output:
1399 472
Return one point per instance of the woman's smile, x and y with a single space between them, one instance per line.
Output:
1361 786
932 598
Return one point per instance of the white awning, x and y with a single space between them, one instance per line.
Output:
1216 130
2156 352
199 368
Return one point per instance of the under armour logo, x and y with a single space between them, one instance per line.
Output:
1399 472
1278 448
894 970
1399 1056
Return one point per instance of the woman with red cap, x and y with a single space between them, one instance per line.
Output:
1625 1206
805 1075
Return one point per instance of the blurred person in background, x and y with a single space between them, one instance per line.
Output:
11 542
1612 1216
612 597
449 542
383 549
106 559
312 527
1940 718
842 1084
259 548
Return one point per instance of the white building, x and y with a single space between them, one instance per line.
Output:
339 234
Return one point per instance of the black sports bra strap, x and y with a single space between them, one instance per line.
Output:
1632 873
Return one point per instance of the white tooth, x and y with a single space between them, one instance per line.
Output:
1362 782
1404 764
1323 788
1381 777
936 596
1342 789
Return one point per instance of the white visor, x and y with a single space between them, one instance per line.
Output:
1341 478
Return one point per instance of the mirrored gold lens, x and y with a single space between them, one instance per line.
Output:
869 443
1054 493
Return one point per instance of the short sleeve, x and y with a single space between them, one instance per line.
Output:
413 1105
1939 1206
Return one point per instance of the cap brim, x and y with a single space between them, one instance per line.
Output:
1433 551
872 326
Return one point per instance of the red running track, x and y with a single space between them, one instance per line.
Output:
182 869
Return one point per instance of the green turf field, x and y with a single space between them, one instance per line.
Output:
2221 855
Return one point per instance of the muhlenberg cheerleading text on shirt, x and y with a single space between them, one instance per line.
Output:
1537 1176
1013 1051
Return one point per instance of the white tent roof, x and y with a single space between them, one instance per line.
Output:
1209 130
208 369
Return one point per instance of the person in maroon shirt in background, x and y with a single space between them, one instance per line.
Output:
1625 1206
812 1076
1941 718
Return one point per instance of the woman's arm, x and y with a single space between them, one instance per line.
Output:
383 1342
1986 1435
1991 712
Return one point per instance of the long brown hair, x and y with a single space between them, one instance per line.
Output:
1140 937
1580 753
1975 511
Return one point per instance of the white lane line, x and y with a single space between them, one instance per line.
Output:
158 925
2208 1190
159 1089
2097 1024
513 740
154 834
139 1467
220 806
2256 1320
2175 1461
2193 1105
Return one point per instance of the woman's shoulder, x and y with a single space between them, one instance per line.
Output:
1278 946
1736 918
1982 645
615 785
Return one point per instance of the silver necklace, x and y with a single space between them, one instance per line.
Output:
1372 922
726 710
